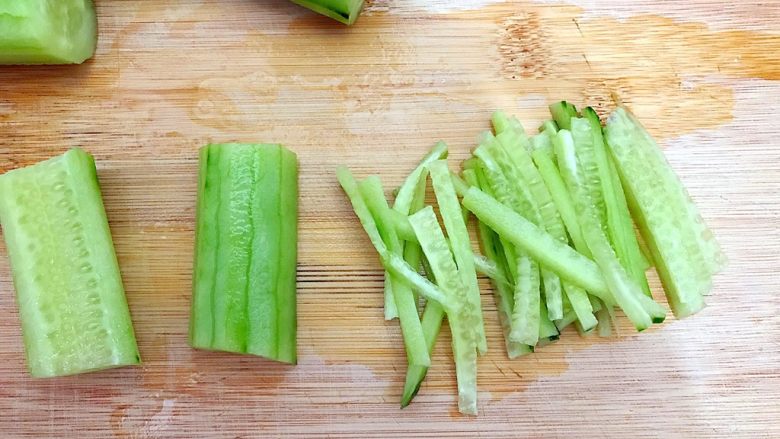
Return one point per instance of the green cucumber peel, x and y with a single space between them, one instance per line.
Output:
344 11
72 305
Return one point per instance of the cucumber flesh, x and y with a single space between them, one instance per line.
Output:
246 251
540 245
464 317
454 224
345 11
683 249
72 304
47 31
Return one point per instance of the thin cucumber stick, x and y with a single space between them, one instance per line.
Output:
402 205
540 245
391 262
244 293
414 340
620 228
47 31
72 305
433 314
625 291
461 319
525 312
461 242
562 112
345 11
684 251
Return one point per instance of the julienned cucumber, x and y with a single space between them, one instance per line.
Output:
47 31
684 251
71 301
245 251
345 11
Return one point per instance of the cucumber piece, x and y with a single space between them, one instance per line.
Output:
562 113
47 31
72 304
414 340
625 291
246 251
345 11
402 205
548 332
502 253
619 226
525 311
685 252
460 240
540 245
391 262
544 211
585 150
465 316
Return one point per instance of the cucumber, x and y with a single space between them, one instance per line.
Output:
47 31
345 11
246 251
684 250
72 304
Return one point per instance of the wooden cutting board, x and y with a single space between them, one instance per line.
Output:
170 76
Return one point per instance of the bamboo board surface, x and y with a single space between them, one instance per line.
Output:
170 76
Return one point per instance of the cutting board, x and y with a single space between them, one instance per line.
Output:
170 76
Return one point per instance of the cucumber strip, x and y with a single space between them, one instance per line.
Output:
503 253
562 113
246 251
433 314
605 322
580 304
47 31
502 288
625 291
562 199
549 127
525 312
542 142
547 330
463 319
392 263
684 251
585 151
619 226
503 122
345 11
545 212
540 245
431 325
411 329
72 305
402 205
451 213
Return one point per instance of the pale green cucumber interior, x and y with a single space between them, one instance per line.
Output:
72 306
47 31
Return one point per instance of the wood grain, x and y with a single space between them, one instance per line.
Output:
170 76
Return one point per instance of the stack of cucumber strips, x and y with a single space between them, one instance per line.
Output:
556 215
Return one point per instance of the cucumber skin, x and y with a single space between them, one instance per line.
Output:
28 35
92 344
345 11
245 259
